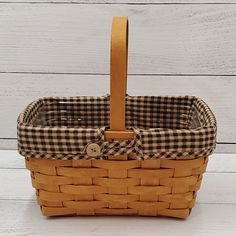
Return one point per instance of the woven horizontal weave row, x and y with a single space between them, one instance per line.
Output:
110 187
171 127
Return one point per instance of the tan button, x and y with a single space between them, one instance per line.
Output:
93 150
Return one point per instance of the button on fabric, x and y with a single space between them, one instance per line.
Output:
93 150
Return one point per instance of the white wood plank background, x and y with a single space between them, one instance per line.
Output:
214 213
206 220
63 49
137 2
164 39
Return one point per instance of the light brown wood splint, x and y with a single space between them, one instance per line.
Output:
106 187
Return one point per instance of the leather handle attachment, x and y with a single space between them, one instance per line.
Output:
118 80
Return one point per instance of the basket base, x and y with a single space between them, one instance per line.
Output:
62 211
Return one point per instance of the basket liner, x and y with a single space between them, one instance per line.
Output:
164 126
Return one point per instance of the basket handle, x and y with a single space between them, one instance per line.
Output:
118 80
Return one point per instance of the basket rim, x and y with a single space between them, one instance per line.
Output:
199 139
42 100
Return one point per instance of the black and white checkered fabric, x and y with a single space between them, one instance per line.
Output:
164 127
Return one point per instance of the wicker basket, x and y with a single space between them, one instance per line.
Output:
117 154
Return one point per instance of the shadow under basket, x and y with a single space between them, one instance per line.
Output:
117 154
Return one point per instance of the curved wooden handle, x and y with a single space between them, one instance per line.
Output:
118 72
118 79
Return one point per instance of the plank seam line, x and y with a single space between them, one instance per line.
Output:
12 168
225 143
215 203
106 74
118 3
16 199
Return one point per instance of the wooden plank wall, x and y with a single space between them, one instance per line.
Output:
61 48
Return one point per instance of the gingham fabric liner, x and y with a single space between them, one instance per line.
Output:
165 127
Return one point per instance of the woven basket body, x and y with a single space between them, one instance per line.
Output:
117 155
110 187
